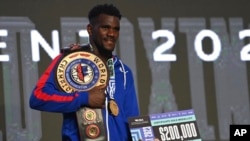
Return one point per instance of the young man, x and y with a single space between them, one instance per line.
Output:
103 29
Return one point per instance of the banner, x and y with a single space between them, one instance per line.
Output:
170 126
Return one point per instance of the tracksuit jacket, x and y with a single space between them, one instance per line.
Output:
46 96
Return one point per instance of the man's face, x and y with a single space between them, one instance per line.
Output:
105 32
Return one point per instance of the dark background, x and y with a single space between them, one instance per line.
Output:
46 15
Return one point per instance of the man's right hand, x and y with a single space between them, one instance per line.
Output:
75 46
97 97
70 48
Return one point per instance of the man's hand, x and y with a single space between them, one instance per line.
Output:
97 97
70 48
75 46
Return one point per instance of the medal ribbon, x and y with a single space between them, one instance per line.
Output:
111 86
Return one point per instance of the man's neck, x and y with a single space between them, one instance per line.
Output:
103 54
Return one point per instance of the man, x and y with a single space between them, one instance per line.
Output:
103 30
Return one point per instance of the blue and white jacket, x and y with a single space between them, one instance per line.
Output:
46 96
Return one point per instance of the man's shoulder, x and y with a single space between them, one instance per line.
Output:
122 65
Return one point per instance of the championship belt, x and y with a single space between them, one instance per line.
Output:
82 71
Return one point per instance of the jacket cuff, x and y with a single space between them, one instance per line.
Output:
84 98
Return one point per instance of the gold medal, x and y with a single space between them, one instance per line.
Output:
113 107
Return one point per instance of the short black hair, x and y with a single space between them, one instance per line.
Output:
108 9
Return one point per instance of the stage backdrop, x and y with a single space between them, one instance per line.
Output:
185 54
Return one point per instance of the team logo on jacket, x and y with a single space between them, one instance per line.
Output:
81 71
